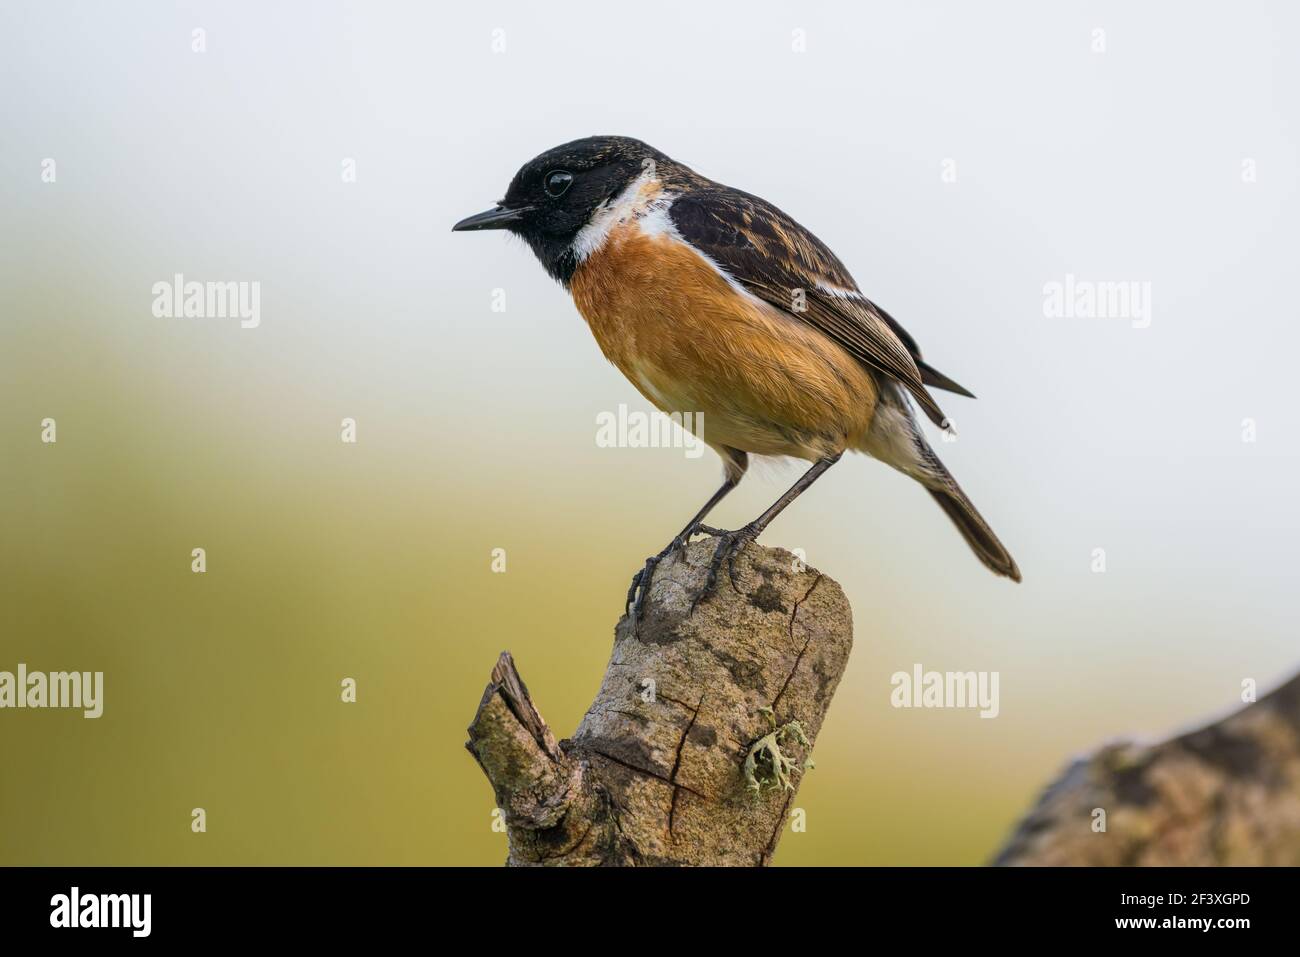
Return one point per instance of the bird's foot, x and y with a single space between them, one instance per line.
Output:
730 544
640 587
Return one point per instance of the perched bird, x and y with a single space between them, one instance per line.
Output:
715 302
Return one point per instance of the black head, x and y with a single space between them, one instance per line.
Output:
555 194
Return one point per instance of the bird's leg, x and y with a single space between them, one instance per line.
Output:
642 578
730 543
735 462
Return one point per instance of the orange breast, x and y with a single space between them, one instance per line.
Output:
691 342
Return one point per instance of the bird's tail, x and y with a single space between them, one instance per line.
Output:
895 438
975 530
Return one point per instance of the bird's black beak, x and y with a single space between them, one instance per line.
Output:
496 218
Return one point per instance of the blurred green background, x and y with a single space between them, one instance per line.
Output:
476 428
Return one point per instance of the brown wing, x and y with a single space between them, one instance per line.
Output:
929 374
779 261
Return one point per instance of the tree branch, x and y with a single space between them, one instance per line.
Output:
1226 794
653 774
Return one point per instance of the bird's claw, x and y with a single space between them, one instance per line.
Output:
640 587
730 544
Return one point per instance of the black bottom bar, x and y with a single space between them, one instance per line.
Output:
235 905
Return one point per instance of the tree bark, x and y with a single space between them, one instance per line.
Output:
692 752
1226 794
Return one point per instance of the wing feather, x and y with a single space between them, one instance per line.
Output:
780 262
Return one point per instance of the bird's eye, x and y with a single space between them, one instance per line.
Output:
557 181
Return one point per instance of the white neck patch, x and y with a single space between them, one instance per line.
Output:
643 202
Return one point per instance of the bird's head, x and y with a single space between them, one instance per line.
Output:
555 194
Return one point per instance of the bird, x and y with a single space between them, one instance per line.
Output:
713 301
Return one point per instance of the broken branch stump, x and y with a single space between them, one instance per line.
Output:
656 773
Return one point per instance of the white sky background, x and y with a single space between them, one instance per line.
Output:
1122 165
